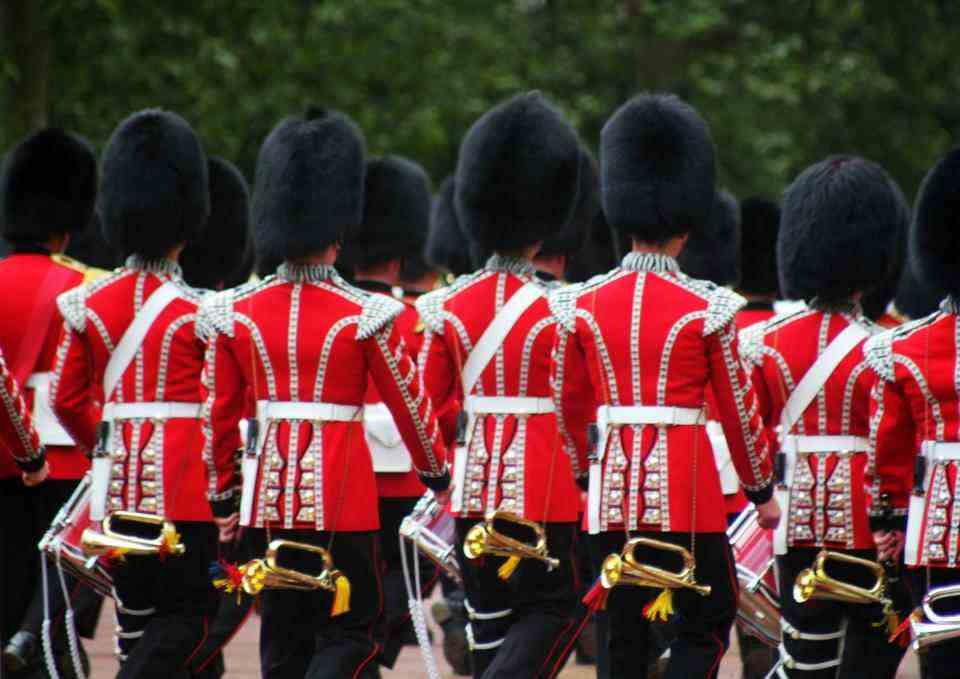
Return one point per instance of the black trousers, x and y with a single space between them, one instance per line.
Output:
701 626
525 627
397 626
164 606
943 659
298 636
861 647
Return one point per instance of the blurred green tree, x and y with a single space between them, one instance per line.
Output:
782 84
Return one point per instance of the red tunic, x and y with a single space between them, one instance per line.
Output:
31 283
297 339
18 438
828 500
646 335
512 462
157 464
915 401
753 313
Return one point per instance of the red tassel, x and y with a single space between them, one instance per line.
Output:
901 635
596 598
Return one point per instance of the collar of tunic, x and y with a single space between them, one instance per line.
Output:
650 261
161 265
306 273
514 265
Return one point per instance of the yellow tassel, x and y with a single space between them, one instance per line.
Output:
341 596
508 567
660 608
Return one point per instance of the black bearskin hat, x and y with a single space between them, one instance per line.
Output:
213 258
309 185
657 168
570 238
915 298
396 214
89 247
447 246
713 252
517 174
875 302
838 230
154 193
759 224
49 186
935 232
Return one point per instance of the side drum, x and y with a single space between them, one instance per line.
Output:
61 543
432 531
758 612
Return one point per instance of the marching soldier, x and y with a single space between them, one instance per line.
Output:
396 216
914 409
840 219
49 185
759 225
644 343
304 344
130 342
487 351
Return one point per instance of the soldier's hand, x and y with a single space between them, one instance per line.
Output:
37 477
227 526
443 496
889 544
768 514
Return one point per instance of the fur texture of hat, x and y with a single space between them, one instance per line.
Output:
88 246
517 174
447 246
49 184
838 230
213 258
154 191
657 168
309 185
759 225
569 239
713 252
396 213
934 242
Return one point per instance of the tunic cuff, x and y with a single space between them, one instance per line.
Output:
761 496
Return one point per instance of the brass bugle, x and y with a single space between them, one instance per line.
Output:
484 539
625 569
930 628
266 573
814 583
95 543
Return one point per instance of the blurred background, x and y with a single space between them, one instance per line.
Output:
782 83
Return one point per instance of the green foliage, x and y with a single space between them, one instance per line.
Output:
781 83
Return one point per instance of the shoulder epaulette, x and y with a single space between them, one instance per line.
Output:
750 341
215 315
878 353
73 307
722 306
378 311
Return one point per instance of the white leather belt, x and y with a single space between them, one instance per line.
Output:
663 415
308 410
941 451
48 427
147 410
508 405
824 444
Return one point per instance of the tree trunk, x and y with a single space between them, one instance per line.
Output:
27 47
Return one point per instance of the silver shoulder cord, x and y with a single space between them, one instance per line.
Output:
415 603
68 623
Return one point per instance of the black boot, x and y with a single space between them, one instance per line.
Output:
451 615
20 651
